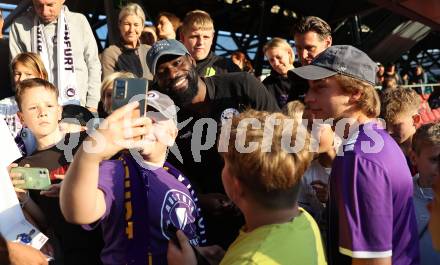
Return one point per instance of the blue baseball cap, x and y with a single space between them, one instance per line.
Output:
340 59
164 47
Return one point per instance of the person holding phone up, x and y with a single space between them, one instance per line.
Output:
136 196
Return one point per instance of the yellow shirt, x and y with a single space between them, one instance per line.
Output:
296 242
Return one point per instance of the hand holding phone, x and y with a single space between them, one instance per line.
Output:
126 90
34 178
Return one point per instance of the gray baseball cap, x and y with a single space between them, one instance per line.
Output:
162 103
340 59
164 47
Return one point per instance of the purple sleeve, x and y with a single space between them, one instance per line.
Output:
366 211
110 182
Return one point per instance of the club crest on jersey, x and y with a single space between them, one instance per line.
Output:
178 210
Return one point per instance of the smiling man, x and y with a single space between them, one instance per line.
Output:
208 102
65 42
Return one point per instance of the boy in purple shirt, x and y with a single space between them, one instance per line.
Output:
136 197
371 213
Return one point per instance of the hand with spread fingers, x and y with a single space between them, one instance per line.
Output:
123 129
80 199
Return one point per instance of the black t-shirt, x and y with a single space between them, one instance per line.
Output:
214 65
5 77
129 61
229 94
286 89
77 245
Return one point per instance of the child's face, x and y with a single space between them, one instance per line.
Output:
21 73
434 209
161 135
427 162
403 127
40 111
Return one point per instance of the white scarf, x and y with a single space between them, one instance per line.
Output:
66 79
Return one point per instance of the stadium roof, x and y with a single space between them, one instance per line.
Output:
277 15
367 24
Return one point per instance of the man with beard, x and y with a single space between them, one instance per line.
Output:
217 98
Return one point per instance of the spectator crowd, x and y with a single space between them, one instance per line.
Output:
332 161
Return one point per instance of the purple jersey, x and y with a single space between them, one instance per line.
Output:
169 203
371 208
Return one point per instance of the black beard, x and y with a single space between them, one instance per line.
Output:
183 98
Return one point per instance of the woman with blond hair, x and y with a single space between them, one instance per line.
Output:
24 66
282 83
167 25
28 65
128 54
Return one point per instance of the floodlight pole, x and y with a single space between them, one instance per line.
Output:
261 40
112 21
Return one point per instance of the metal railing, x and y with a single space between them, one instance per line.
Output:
414 85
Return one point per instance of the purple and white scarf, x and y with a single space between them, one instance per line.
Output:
66 78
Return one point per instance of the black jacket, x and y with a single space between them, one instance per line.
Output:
285 89
214 65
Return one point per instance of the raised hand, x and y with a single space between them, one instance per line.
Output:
123 129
